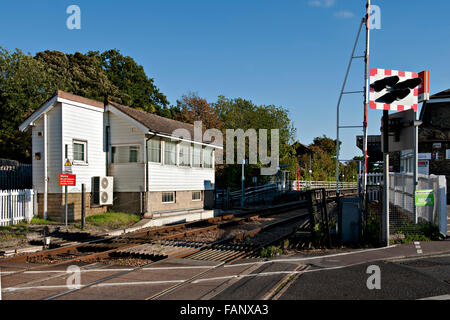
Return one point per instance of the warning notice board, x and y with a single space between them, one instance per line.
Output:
69 180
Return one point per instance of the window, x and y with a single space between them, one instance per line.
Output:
185 154
196 195
125 154
79 151
168 197
154 150
170 153
134 154
197 156
208 157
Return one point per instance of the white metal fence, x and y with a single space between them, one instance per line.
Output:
402 198
16 206
323 184
401 193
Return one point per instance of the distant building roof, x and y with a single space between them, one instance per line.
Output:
441 95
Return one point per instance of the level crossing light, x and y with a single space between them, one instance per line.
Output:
396 90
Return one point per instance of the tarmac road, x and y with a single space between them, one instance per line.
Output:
400 280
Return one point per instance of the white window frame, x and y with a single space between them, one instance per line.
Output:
180 145
176 153
85 145
197 147
149 150
206 150
173 195
194 192
128 157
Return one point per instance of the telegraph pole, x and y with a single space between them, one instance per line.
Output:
366 98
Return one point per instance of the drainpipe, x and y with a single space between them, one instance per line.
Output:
45 168
146 161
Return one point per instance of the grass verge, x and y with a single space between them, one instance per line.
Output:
113 220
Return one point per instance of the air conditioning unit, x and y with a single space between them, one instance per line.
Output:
102 189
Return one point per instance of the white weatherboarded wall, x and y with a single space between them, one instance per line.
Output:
173 178
54 150
128 177
84 123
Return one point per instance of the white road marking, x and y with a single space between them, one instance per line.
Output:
14 289
307 259
265 274
444 297
111 284
110 270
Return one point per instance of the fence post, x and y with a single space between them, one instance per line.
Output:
11 207
83 205
327 222
442 182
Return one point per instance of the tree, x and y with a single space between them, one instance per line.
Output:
193 108
24 85
79 74
27 81
131 79
242 114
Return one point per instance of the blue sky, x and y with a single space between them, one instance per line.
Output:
291 53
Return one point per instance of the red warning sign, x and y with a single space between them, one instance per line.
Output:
69 180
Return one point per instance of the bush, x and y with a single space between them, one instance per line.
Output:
270 252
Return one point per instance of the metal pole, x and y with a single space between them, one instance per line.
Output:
242 185
83 205
385 235
339 104
310 170
415 166
366 96
65 201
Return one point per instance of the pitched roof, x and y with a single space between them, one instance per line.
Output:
157 123
80 99
441 95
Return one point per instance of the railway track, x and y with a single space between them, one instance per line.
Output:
223 239
99 249
224 251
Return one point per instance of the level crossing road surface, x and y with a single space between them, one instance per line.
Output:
407 272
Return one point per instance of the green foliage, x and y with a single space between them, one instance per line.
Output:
243 114
113 220
131 80
270 252
39 221
26 82
419 232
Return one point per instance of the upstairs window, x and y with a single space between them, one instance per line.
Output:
170 153
125 154
154 150
208 157
79 151
184 154
197 156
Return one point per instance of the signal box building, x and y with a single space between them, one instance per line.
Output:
128 160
